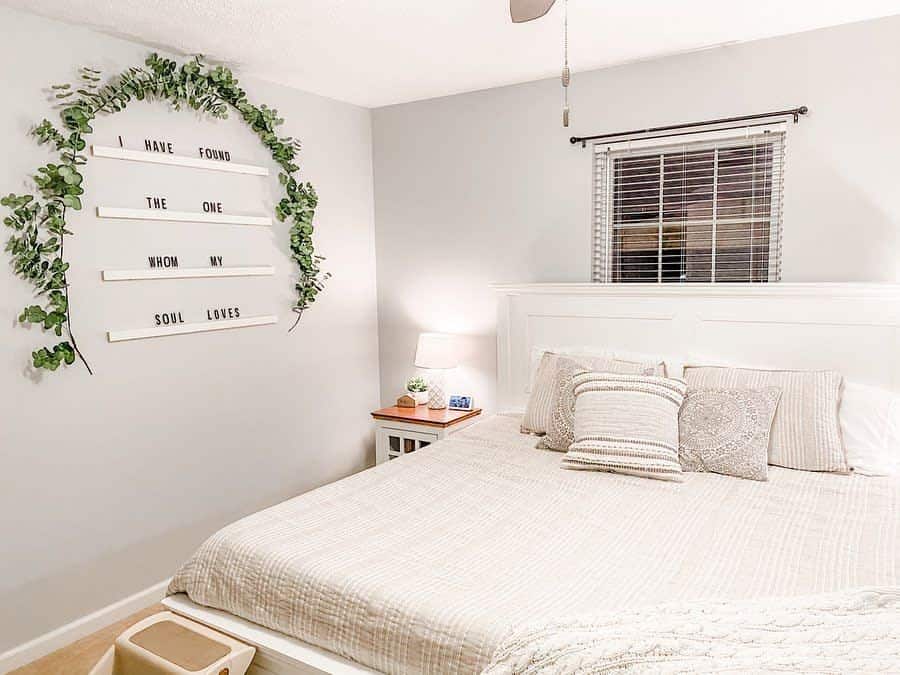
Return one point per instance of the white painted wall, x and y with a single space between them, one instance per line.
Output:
108 482
485 187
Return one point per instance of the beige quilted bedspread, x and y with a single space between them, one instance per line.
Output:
426 563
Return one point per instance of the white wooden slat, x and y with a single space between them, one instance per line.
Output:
181 216
187 273
188 328
177 160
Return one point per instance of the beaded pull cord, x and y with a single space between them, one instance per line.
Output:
566 75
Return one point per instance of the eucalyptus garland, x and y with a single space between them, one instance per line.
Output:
37 244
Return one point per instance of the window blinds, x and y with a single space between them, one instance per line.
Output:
693 212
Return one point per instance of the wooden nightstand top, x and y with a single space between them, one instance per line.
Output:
422 414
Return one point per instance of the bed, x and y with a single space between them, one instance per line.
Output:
495 535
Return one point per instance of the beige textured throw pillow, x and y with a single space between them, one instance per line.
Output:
626 424
805 433
560 430
727 431
550 385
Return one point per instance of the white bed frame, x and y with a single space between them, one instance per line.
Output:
851 328
276 653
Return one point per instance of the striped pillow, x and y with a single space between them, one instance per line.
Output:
560 431
626 424
554 375
806 432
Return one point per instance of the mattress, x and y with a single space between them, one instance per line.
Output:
425 563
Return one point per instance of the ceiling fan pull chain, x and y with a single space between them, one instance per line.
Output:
566 74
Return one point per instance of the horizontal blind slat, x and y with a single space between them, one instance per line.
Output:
677 211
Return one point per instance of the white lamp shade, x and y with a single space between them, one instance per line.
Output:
437 351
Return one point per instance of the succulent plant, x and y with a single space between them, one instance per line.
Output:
416 384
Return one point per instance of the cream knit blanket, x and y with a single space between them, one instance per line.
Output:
855 631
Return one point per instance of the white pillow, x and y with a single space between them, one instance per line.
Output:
870 426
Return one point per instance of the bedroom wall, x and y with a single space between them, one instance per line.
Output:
108 482
485 187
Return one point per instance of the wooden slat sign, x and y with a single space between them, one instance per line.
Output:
162 152
187 273
177 160
181 216
179 328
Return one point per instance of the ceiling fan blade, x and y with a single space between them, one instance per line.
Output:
521 11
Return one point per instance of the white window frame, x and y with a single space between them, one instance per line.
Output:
604 155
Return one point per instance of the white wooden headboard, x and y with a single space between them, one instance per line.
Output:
851 328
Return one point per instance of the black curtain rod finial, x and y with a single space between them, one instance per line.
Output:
623 135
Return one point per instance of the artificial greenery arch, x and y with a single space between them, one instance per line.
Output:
39 223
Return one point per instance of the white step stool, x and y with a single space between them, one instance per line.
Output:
167 644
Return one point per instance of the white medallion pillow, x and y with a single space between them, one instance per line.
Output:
546 383
626 424
727 431
805 433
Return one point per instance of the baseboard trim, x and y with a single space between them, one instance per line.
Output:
82 627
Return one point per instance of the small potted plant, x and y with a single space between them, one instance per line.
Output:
417 387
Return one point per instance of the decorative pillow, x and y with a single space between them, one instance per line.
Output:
626 424
578 351
870 426
541 401
805 432
560 431
667 365
673 362
727 431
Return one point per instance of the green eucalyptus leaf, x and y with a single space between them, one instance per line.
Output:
72 202
40 228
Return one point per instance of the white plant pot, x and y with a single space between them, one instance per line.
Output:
420 396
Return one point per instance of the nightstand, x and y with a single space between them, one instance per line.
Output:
400 431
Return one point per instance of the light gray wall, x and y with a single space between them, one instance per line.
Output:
485 187
108 482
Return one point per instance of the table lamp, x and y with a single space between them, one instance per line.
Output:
437 353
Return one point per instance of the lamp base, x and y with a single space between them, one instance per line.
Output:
437 397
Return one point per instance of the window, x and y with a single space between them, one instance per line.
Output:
692 212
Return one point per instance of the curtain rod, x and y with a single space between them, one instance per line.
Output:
793 112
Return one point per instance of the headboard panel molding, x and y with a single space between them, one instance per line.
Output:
851 328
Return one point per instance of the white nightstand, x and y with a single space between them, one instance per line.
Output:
400 431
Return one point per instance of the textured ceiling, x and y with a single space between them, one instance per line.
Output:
378 52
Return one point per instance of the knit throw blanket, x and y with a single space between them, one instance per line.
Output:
855 631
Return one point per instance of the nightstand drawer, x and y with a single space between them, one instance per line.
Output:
393 442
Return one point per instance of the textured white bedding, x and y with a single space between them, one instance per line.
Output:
853 631
427 562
